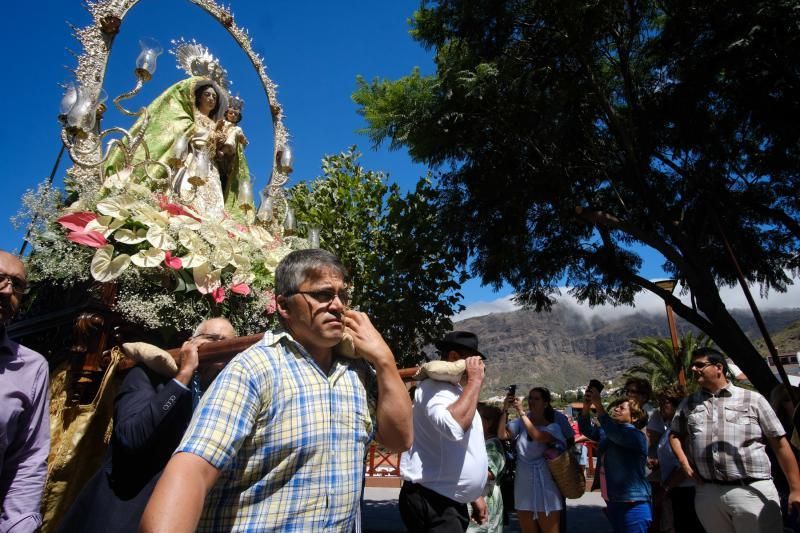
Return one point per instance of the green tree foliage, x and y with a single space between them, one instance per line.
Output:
659 365
569 134
404 277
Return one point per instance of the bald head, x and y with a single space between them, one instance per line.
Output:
13 276
10 262
215 327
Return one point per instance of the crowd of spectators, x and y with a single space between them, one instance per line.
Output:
277 440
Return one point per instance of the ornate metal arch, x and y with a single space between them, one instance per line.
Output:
97 39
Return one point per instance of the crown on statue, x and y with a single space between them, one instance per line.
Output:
236 102
196 60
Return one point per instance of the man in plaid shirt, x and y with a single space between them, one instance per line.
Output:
278 441
719 436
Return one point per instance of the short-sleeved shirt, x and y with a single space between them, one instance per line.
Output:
445 457
724 433
289 440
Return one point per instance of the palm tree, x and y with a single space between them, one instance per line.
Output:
660 366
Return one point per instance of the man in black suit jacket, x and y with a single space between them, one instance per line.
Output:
151 412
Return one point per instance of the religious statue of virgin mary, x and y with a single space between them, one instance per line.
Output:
188 132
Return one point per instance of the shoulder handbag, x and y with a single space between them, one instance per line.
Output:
568 475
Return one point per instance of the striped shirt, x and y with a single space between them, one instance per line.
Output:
289 440
725 433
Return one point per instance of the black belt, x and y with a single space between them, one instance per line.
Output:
741 482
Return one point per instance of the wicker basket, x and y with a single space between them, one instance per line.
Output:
567 475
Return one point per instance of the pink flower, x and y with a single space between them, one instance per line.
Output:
240 288
173 209
218 294
93 239
77 221
172 262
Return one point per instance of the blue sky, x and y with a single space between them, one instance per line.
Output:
313 50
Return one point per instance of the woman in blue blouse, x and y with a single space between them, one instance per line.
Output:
622 452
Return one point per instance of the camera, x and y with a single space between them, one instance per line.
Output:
512 390
596 385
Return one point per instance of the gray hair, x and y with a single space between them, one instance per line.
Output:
295 268
202 325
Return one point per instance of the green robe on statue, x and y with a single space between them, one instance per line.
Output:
174 117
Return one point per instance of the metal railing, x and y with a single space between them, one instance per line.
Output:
381 463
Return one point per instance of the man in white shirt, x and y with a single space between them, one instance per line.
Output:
447 465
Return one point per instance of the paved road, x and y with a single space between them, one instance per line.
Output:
381 514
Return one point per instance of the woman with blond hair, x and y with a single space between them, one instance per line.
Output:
622 453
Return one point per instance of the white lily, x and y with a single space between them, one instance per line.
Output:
273 257
126 236
105 225
76 206
182 221
193 260
241 262
119 180
105 267
139 190
260 237
148 258
116 206
191 240
206 279
242 276
150 216
158 237
222 253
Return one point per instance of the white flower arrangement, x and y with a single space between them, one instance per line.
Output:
172 267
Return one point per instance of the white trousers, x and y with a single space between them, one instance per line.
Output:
753 508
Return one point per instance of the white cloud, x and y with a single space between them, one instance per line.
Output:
645 302
480 308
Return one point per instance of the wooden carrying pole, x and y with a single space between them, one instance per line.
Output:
215 352
223 351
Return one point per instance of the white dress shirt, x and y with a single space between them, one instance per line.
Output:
444 457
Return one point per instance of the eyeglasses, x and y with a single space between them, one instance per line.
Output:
214 337
18 285
324 296
700 365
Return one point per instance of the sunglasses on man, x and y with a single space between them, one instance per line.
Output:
324 296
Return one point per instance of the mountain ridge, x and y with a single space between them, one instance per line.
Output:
564 348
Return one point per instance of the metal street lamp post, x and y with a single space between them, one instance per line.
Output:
669 285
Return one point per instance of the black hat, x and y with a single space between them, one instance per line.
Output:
459 339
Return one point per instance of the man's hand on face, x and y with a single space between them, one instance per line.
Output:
368 342
475 369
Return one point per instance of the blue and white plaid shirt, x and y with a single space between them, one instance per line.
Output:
289 441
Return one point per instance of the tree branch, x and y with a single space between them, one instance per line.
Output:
678 306
781 217
600 218
671 164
